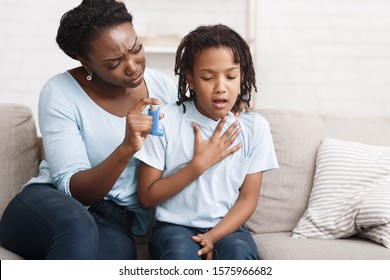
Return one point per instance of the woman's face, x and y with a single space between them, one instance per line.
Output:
117 57
216 80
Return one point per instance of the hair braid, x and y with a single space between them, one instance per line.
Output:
83 23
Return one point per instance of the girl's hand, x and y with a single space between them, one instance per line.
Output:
206 245
138 125
209 152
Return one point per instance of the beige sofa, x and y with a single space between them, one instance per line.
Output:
284 195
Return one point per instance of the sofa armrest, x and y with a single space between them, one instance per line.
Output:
19 159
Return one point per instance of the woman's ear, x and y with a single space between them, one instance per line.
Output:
85 64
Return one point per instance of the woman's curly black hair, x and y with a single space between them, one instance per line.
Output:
214 36
79 26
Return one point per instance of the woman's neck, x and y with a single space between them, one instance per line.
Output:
114 99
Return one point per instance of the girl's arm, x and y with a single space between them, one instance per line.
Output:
153 190
236 217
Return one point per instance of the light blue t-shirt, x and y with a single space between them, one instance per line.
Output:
78 134
205 201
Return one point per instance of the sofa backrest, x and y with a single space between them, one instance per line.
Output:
19 157
297 136
285 192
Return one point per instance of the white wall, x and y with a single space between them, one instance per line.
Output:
327 56
162 25
28 52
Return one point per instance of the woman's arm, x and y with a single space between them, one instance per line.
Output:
236 217
91 185
153 190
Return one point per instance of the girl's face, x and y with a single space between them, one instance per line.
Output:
216 81
117 57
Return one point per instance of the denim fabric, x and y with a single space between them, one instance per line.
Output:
114 223
173 242
44 223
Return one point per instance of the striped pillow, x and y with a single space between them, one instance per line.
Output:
351 193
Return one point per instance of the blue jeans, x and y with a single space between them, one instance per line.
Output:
44 223
173 242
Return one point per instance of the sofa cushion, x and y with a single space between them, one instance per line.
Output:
280 246
18 150
351 192
8 255
297 136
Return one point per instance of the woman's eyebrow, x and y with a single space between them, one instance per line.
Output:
116 58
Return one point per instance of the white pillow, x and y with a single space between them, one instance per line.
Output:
351 193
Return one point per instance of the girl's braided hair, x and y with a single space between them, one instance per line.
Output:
79 26
214 36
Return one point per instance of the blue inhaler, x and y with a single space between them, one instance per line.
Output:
154 111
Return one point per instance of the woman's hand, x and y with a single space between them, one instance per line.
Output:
207 247
241 106
209 152
138 125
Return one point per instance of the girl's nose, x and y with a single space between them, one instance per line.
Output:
219 86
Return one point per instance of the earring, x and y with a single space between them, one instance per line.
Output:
89 76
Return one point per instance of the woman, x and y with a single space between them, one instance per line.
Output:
92 124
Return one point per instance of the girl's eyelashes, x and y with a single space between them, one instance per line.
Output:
210 78
232 77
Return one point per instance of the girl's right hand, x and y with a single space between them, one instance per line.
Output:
209 152
138 125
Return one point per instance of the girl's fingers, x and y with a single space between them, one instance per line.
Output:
219 128
232 131
198 134
232 137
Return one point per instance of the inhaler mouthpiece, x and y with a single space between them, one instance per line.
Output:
153 107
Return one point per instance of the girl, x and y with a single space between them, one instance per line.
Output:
205 193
